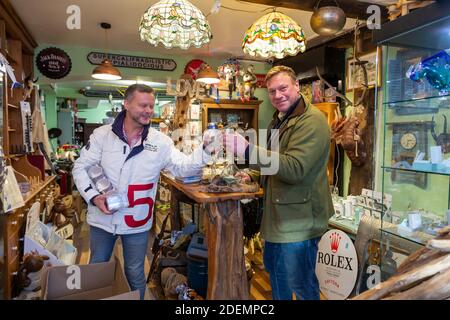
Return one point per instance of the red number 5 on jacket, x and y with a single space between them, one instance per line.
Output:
129 219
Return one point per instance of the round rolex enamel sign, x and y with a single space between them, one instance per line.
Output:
336 265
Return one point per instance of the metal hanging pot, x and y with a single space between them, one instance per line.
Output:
328 20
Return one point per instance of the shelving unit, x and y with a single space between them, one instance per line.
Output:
247 111
17 46
329 109
410 110
83 131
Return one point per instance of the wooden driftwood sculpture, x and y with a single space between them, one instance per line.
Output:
424 275
345 131
220 184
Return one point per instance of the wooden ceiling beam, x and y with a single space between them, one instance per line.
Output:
352 8
15 28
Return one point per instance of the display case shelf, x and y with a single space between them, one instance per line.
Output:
417 237
445 172
434 101
344 224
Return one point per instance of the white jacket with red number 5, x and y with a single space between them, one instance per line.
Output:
133 172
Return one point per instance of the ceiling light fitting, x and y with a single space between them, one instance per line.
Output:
207 75
106 70
328 20
274 35
175 23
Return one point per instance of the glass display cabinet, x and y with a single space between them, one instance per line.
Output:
415 108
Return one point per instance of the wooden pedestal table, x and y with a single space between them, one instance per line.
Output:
227 277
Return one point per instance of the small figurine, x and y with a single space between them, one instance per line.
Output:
28 85
442 139
249 85
32 262
230 76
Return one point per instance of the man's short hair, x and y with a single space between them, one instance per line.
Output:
137 87
280 69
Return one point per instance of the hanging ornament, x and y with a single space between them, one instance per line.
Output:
327 21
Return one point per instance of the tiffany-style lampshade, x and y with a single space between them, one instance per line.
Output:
274 35
175 23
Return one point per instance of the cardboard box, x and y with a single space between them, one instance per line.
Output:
97 281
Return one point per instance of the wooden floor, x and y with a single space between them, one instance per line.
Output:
260 284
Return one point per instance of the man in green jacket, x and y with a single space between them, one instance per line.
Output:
297 199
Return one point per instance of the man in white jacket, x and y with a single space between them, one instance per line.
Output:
132 155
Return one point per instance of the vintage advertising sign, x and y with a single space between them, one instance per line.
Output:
53 63
119 60
193 67
336 265
260 78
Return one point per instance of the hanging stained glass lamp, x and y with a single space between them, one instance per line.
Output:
175 23
106 70
274 35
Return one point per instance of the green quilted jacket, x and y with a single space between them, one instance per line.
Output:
297 199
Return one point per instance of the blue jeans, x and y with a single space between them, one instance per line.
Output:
292 269
134 251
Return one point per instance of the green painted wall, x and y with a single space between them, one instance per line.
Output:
81 69
347 163
95 115
50 114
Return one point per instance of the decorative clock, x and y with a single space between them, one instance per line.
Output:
407 139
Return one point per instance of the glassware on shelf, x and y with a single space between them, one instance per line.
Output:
435 69
212 135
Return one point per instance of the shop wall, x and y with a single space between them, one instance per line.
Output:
91 114
347 163
81 71
50 114
377 150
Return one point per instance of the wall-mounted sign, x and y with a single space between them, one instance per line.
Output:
119 60
260 80
193 67
336 265
53 63
186 87
100 94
